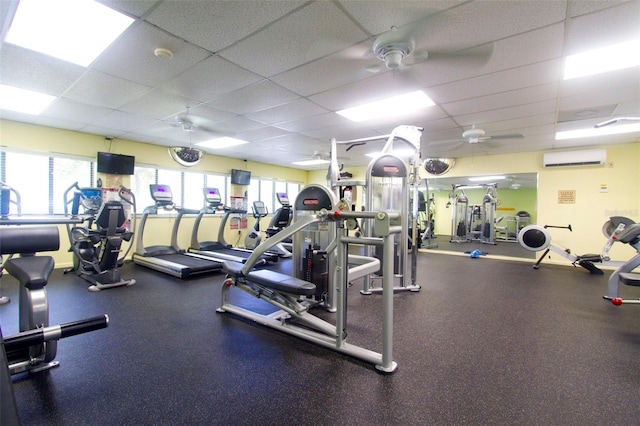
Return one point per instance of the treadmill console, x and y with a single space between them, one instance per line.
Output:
161 194
283 199
212 196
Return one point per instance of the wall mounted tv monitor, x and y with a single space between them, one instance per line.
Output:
240 177
115 164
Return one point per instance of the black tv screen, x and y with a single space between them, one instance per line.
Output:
115 164
240 177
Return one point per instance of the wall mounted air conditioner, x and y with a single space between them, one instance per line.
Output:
592 157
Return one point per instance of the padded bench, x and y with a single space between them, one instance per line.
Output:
271 279
630 278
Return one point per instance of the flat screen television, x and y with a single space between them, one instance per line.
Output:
240 177
115 164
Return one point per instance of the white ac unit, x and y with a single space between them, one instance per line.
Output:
592 157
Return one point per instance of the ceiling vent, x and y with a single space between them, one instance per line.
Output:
593 157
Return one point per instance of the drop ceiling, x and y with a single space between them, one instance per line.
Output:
275 72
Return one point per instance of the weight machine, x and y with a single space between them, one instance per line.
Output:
323 269
473 222
388 183
34 348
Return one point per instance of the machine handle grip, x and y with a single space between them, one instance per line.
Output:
56 332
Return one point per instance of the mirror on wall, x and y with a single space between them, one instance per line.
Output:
493 210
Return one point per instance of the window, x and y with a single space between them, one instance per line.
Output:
143 177
265 190
193 184
42 180
67 172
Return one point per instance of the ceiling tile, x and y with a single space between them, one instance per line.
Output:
377 17
157 104
310 33
31 70
135 8
315 122
503 81
610 26
63 108
215 25
210 78
100 89
256 97
132 56
516 97
299 108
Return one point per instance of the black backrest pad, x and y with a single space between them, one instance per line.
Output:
29 239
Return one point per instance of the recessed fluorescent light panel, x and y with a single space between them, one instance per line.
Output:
616 57
394 106
220 143
602 131
25 101
311 162
76 31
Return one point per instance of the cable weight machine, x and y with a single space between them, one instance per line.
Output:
390 181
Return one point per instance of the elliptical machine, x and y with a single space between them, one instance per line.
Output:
97 247
253 238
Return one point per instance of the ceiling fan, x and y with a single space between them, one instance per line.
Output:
186 156
475 135
397 49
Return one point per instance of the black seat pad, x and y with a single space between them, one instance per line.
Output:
272 279
630 278
32 271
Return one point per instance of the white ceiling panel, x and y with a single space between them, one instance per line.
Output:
316 122
135 8
215 25
256 97
63 108
509 113
132 56
377 16
310 33
273 72
210 78
503 81
30 70
157 104
299 108
611 26
98 88
503 99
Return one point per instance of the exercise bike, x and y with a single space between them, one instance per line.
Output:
254 237
97 247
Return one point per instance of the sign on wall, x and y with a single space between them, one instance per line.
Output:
566 196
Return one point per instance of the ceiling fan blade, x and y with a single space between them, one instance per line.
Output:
498 137
475 56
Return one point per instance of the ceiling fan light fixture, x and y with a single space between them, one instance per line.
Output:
186 156
393 59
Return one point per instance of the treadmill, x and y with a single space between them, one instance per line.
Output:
220 250
170 259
